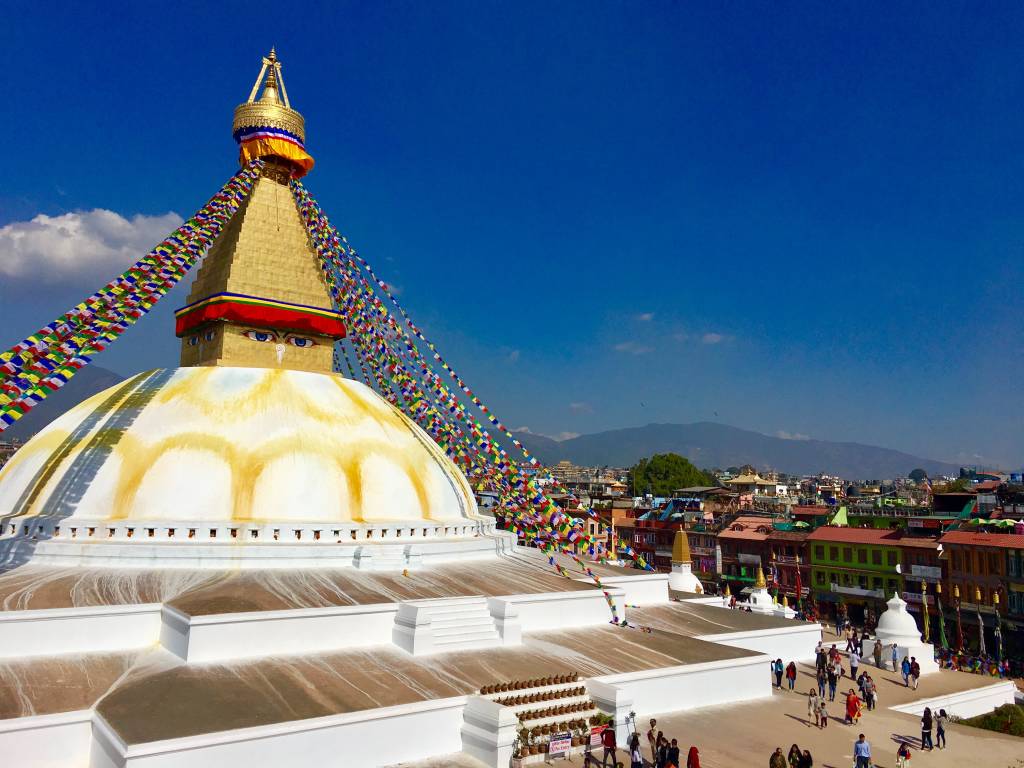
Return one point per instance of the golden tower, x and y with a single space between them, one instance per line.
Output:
260 299
681 547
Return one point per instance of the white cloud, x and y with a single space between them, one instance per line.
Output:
560 436
513 356
792 435
98 243
645 317
712 338
580 407
632 348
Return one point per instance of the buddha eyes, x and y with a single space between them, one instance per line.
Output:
303 342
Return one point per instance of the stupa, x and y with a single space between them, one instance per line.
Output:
681 578
761 600
254 449
253 561
896 625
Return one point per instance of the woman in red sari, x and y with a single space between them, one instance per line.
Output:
852 707
693 758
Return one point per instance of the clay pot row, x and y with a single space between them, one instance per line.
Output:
545 730
514 701
568 709
539 682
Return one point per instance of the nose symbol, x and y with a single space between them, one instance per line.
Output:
280 353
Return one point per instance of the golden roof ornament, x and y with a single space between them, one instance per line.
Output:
760 583
268 126
681 547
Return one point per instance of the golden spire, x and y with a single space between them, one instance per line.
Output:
760 583
727 592
681 547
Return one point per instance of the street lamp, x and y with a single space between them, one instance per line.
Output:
924 608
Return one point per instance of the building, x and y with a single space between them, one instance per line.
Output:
857 566
744 547
788 554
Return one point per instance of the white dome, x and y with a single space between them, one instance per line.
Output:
235 445
895 625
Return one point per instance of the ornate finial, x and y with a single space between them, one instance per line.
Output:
938 588
727 593
924 587
995 598
956 591
785 600
977 595
681 547
270 127
760 583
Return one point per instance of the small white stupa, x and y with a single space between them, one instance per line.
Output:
761 600
897 626
681 578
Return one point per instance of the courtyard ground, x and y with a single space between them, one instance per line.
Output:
738 736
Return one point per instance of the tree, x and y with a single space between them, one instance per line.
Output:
917 475
664 472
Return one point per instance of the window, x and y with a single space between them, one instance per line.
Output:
862 556
821 577
876 557
819 552
876 583
848 554
890 558
833 553
893 585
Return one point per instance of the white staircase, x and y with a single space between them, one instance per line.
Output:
451 624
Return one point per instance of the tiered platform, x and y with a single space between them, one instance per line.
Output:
144 668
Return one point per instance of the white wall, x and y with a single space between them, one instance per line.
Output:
78 630
223 637
642 589
563 610
796 643
376 737
46 741
965 703
676 689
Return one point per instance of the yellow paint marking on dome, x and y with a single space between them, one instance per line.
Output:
354 483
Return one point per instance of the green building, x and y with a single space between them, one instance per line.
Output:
858 566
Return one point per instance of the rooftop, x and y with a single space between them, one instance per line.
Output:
970 538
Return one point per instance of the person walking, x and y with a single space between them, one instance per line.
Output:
940 729
806 761
778 669
905 671
862 752
777 760
813 702
662 761
869 692
822 682
833 681
853 708
926 729
636 759
895 657
849 638
915 671
693 758
854 663
791 674
793 758
878 653
823 714
610 748
903 755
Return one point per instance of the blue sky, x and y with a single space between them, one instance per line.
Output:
792 218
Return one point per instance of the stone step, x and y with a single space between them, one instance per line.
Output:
449 636
465 645
474 620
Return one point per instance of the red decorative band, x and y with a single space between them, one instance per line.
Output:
259 313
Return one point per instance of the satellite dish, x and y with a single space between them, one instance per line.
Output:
899 569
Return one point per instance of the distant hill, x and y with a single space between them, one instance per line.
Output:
708 444
83 385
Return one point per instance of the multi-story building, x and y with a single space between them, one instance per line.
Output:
788 553
744 546
855 565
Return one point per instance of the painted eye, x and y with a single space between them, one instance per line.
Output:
193 341
262 336
301 341
209 335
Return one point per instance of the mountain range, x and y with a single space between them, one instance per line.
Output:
706 444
